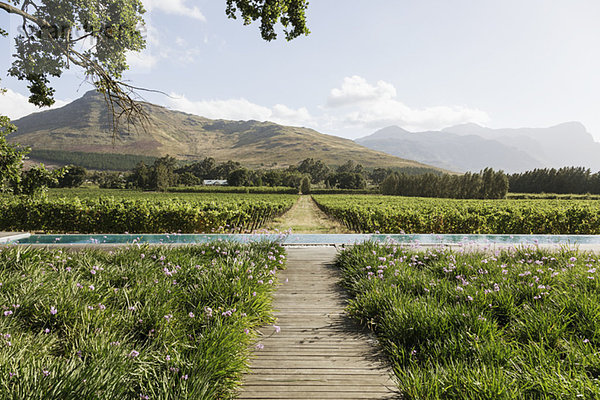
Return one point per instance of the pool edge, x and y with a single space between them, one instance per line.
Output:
7 237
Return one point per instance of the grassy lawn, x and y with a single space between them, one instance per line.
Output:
139 323
305 217
520 324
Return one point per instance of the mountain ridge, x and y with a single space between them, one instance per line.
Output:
471 147
84 125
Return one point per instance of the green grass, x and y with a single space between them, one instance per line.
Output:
167 323
516 324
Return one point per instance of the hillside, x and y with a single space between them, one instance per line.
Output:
83 125
566 144
450 151
471 147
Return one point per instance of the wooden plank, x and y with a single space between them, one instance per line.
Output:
315 380
315 395
329 371
309 352
345 387
318 352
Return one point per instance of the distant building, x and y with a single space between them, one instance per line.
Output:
214 182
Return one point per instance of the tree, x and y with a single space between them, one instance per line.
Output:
305 185
188 179
163 173
11 158
350 166
205 169
111 180
239 177
273 177
51 41
292 179
53 32
291 14
378 175
348 180
37 179
500 185
389 185
140 176
73 176
317 170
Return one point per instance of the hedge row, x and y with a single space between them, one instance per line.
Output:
109 215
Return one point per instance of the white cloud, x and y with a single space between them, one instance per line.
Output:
354 109
236 109
285 115
15 105
359 104
175 7
241 109
141 61
356 90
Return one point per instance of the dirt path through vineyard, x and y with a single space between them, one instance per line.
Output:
305 217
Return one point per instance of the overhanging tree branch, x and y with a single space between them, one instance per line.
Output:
53 28
14 10
118 95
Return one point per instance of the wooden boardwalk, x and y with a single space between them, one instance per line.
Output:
319 353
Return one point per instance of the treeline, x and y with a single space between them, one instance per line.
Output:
96 161
487 184
571 180
165 173
121 171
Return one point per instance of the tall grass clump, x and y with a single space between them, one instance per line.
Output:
140 323
520 323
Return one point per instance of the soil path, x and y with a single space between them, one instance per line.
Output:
318 353
305 217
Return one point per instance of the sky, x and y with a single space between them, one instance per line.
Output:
418 64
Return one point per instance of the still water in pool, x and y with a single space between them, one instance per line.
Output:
424 239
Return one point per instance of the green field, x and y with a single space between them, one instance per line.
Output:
120 211
393 214
139 323
520 324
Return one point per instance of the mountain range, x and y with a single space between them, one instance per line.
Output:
84 126
470 147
